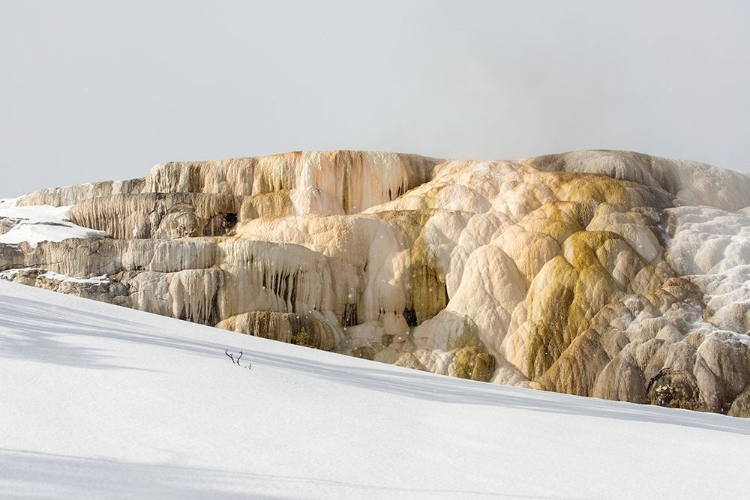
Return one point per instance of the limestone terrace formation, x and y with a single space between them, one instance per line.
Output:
599 273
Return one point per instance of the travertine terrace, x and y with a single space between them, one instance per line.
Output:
598 273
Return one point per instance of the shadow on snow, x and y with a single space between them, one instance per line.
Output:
39 333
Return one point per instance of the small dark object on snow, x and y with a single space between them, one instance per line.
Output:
237 361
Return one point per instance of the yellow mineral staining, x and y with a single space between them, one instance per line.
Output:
565 296
424 279
552 220
426 286
301 329
571 272
589 191
267 206
277 173
581 249
691 183
577 369
548 304
474 363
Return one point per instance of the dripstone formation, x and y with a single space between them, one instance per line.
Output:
599 273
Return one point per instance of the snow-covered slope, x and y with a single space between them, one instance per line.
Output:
98 401
35 224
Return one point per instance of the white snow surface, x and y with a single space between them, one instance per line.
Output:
99 401
11 273
35 224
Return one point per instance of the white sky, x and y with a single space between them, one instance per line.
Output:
97 90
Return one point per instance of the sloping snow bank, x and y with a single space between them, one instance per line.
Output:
39 223
106 402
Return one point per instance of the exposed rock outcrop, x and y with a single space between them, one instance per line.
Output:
599 273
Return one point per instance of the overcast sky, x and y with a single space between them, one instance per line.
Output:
103 90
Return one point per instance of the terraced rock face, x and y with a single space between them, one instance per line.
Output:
599 273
